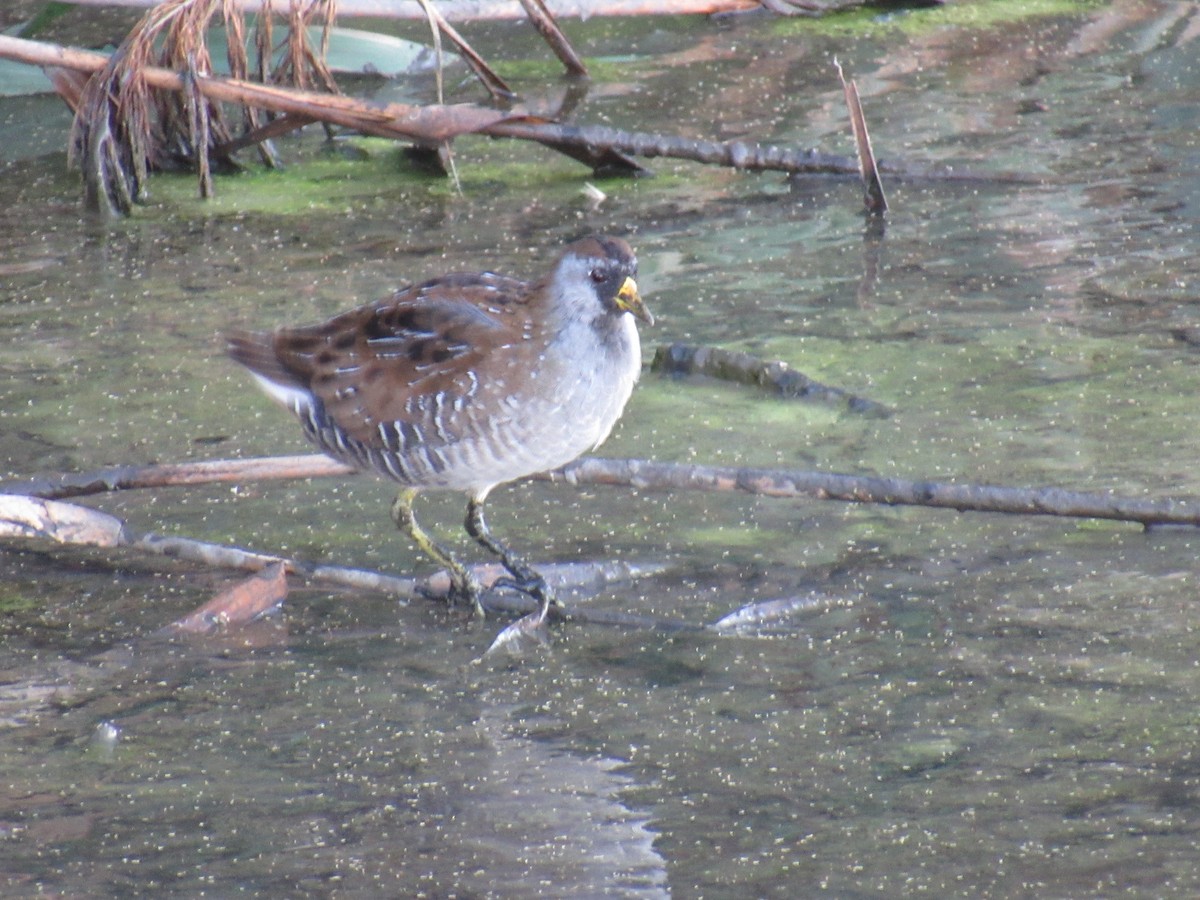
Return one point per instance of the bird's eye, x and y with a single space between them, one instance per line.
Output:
598 276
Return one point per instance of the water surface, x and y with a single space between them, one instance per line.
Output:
978 705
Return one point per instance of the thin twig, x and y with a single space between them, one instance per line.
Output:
643 474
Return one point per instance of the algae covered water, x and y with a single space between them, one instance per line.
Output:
981 705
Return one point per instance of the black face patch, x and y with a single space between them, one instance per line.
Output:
608 280
608 275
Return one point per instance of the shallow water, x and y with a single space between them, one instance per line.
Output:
975 705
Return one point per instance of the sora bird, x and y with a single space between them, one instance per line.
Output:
465 382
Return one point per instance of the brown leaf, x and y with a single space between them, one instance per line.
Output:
236 605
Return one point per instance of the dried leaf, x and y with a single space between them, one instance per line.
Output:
236 605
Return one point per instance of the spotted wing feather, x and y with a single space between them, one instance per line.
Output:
422 342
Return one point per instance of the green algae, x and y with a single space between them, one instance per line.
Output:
865 21
376 176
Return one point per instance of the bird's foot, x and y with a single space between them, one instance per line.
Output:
465 592
533 585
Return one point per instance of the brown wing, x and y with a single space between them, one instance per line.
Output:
384 362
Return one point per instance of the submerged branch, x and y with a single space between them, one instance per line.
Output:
647 475
31 518
735 154
777 377
28 517
24 517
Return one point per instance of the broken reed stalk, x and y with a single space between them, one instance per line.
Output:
543 20
122 129
647 475
874 198
495 85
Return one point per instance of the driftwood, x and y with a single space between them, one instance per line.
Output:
647 475
776 377
435 124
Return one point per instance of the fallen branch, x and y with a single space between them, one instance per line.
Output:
643 474
215 471
646 475
25 517
29 517
238 604
602 148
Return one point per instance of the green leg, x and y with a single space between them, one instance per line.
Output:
463 586
524 577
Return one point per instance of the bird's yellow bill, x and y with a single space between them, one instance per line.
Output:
629 300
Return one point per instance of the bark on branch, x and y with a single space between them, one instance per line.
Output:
647 475
1048 501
